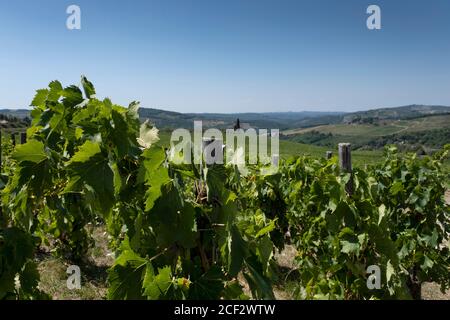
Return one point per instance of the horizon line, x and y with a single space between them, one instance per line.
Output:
29 108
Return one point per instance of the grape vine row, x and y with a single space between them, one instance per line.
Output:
181 233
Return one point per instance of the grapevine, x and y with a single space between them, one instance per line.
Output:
190 232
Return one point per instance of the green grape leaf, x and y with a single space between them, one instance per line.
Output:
264 251
88 87
350 247
32 151
126 275
396 188
267 229
238 251
16 248
85 152
209 286
29 277
72 96
259 284
89 167
120 134
55 91
158 178
215 176
173 219
157 286
155 175
427 263
40 98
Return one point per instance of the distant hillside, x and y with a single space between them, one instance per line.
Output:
397 113
12 122
428 131
279 120
169 119
291 123
17 113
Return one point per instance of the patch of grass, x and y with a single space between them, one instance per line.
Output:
364 130
54 281
380 128
427 133
428 123
290 148
93 271
359 157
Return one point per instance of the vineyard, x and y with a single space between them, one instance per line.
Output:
184 232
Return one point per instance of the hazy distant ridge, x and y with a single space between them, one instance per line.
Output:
279 120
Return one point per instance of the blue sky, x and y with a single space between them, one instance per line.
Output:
231 56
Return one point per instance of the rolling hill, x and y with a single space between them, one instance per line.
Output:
12 122
279 120
172 120
429 131
17 113
413 126
396 113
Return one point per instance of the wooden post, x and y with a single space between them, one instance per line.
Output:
23 137
329 154
13 139
345 163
